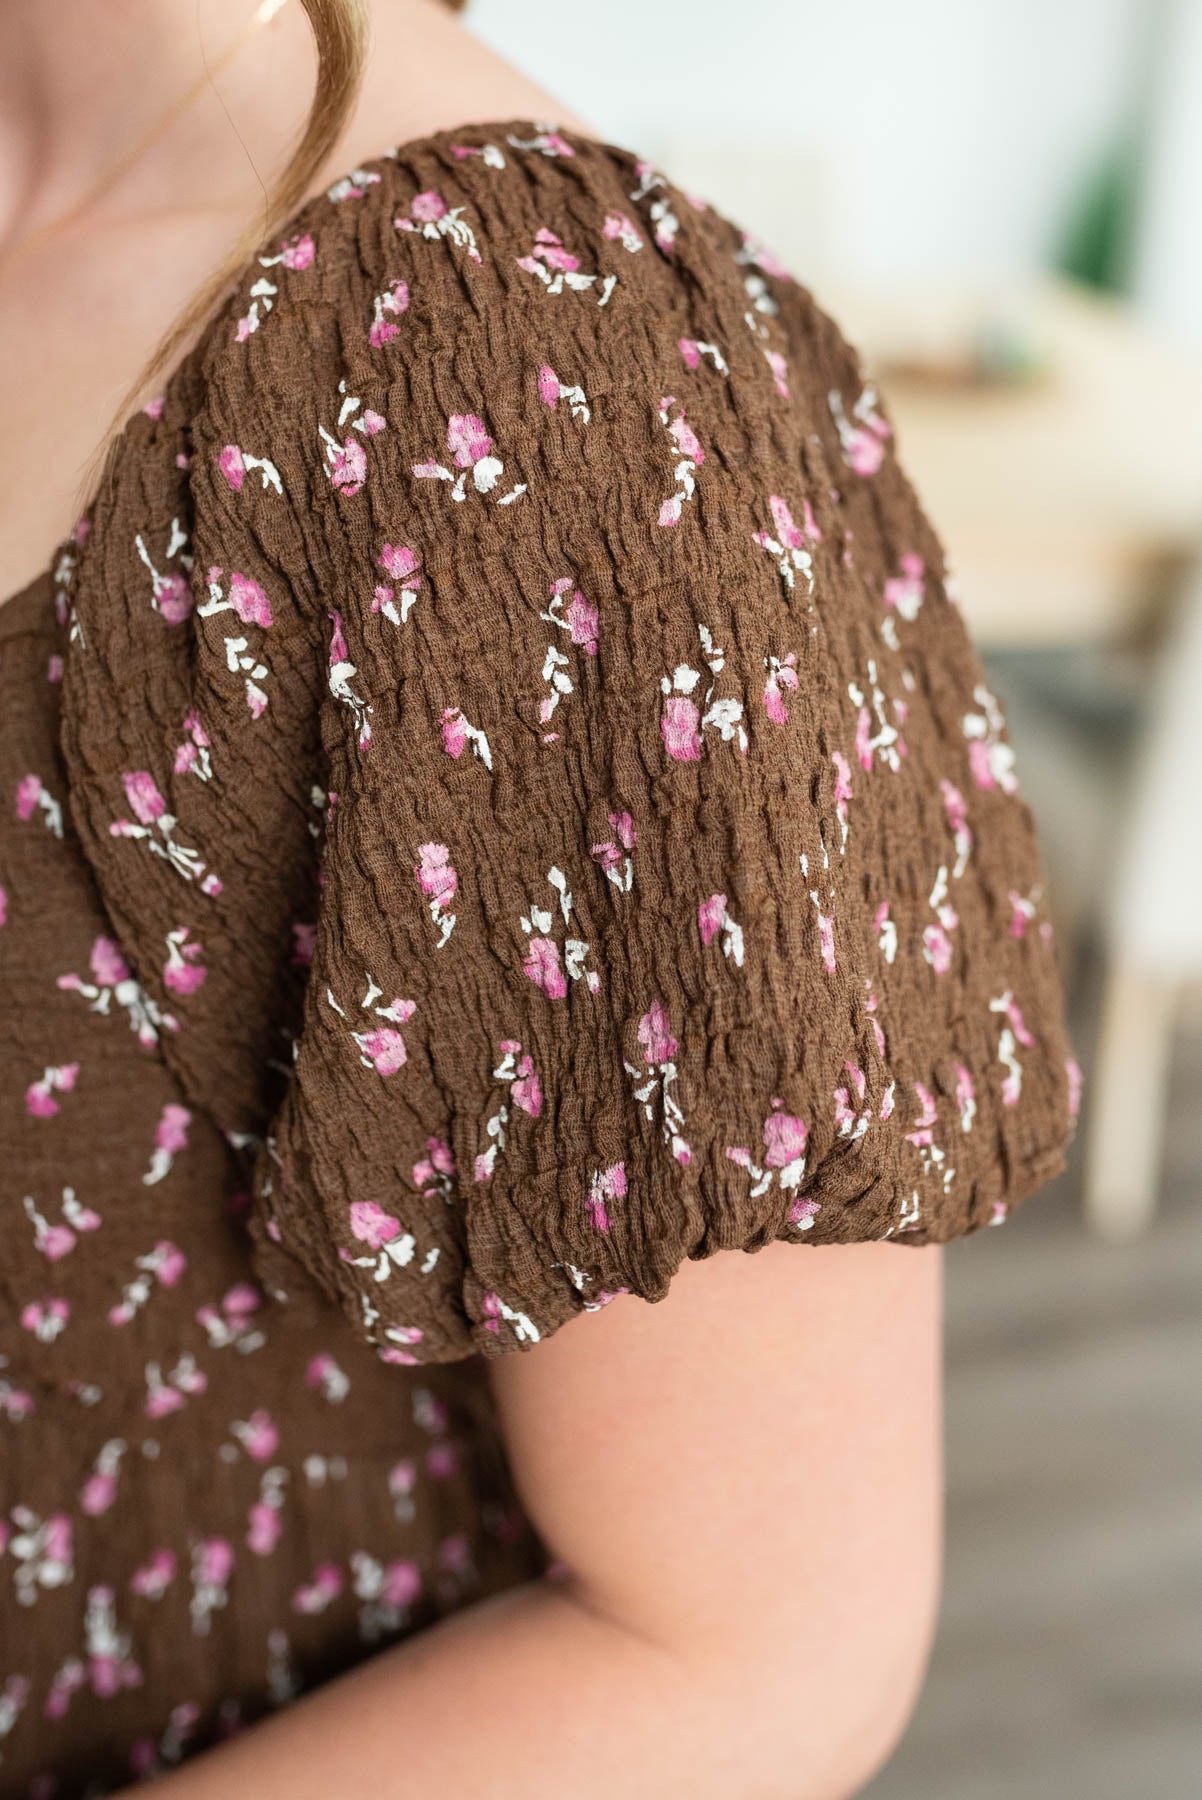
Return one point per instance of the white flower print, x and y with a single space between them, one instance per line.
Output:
713 917
558 269
789 542
689 458
155 827
341 672
655 1080
430 217
112 983
296 253
382 1048
542 961
864 435
471 451
236 464
990 757
683 721
33 796
345 457
664 223
615 854
170 591
551 390
783 1160
886 743
516 1069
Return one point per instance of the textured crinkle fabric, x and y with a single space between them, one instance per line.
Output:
498 798
512 662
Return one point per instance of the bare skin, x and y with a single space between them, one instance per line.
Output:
743 1481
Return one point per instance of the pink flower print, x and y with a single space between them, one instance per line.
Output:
386 309
298 252
785 1140
991 758
780 371
170 1137
690 457
46 1319
936 939
435 1173
347 466
614 854
782 680
680 728
170 592
328 1377
33 797
605 1186
497 1312
864 435
802 1214
695 350
212 1566
3 906
458 732
755 252
352 186
55 1241
39 1095
664 223
143 796
439 883
471 450
183 971
1072 1069
489 155
100 1489
342 672
384 1049
713 917
826 923
16 1403
155 1576
886 742
654 1089
165 1264
618 228
167 1394
236 464
55 669
259 1435
401 565
150 812
542 965
192 756
557 269
551 390
431 218
264 1528
1013 1035
442 1462
787 542
372 1225
956 812
547 142
249 601
319 1594
518 1071
904 592
682 723
402 1583
113 982
154 408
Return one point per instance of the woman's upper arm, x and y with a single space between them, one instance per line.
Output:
749 1473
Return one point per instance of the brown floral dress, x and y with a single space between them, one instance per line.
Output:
497 798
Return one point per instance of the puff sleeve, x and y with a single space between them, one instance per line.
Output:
621 834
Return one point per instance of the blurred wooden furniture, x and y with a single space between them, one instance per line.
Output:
1071 509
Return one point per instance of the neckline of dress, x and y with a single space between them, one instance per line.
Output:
429 140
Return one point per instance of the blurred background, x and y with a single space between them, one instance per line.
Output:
1001 201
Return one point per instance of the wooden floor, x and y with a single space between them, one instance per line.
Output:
1069 1659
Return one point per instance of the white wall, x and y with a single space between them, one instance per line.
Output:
870 138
